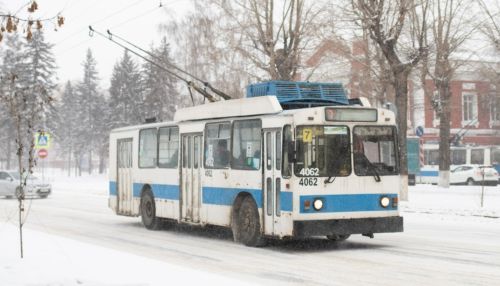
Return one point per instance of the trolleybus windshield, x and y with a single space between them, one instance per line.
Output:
323 151
374 149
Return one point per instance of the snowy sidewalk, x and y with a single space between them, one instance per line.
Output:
56 261
457 200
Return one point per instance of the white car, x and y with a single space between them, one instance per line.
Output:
473 174
9 185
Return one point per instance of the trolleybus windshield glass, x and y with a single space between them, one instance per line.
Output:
323 151
374 149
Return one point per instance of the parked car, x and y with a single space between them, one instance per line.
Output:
473 174
9 185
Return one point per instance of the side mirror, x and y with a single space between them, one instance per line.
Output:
10 179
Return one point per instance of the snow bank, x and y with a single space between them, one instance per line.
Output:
457 200
55 261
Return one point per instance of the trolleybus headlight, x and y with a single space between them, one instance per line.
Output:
384 201
318 204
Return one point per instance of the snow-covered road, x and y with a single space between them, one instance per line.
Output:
435 249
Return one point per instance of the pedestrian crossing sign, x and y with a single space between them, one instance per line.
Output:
42 140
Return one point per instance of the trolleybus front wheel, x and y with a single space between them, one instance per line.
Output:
148 211
248 224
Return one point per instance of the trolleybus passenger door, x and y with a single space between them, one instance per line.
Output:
272 181
191 177
124 196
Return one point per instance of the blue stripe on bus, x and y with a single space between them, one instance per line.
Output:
429 173
226 196
347 203
112 188
211 195
160 191
286 201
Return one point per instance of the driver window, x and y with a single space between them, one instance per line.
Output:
4 176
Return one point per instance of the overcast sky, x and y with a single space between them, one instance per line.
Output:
135 20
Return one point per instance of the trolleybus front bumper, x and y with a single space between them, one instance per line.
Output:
347 226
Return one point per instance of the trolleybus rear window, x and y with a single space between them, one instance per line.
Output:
323 151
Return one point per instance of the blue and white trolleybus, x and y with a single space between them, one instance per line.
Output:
290 160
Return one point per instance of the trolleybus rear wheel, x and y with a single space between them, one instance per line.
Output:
148 211
248 224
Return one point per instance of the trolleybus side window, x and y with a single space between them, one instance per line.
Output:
431 157
374 150
246 145
323 151
269 151
124 155
278 150
287 147
168 147
458 157
495 156
217 139
477 156
147 148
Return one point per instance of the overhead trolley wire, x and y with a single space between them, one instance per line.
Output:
205 83
110 15
117 25
189 83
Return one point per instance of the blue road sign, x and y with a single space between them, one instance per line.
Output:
419 131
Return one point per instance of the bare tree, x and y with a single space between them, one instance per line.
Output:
13 23
491 27
271 35
201 49
385 21
452 24
26 106
25 99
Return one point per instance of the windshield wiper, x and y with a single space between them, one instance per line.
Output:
374 169
329 180
369 164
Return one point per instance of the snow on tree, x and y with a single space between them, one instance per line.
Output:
88 99
40 69
126 100
26 93
161 97
66 122
12 66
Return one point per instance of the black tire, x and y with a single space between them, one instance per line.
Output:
469 182
148 211
248 224
338 238
43 196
